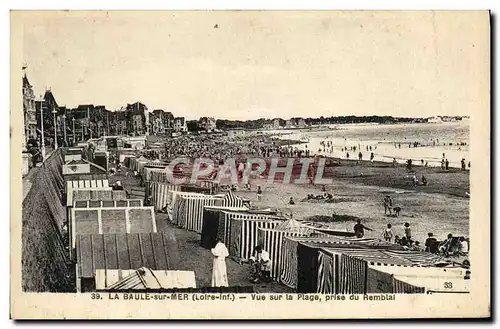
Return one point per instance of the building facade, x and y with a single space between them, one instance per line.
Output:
161 122
84 122
137 119
208 124
180 124
29 110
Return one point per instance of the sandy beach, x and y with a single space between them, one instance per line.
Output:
358 190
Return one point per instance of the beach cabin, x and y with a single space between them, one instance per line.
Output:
99 195
120 251
74 185
73 153
107 203
83 170
136 143
89 198
101 158
105 220
143 279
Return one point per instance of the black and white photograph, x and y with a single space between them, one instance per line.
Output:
263 157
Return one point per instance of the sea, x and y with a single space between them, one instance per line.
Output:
434 141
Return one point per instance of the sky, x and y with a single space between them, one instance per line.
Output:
248 65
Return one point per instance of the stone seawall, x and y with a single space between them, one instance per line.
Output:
44 259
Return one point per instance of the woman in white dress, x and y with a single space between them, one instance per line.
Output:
219 272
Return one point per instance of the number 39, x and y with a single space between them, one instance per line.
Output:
448 285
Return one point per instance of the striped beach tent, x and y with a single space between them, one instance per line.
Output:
231 200
240 232
226 216
159 175
153 167
210 226
137 164
289 260
173 198
160 193
345 270
176 206
340 274
413 279
125 159
131 163
271 240
190 213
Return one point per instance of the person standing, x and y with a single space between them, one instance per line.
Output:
408 233
388 233
446 164
387 204
219 271
371 157
359 229
259 193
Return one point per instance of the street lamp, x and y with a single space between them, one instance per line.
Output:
54 112
41 126
74 132
64 124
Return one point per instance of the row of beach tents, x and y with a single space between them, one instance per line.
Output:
114 240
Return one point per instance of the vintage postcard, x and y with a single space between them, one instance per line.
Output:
250 164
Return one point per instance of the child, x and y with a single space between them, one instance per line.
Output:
259 193
416 246
408 232
388 233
